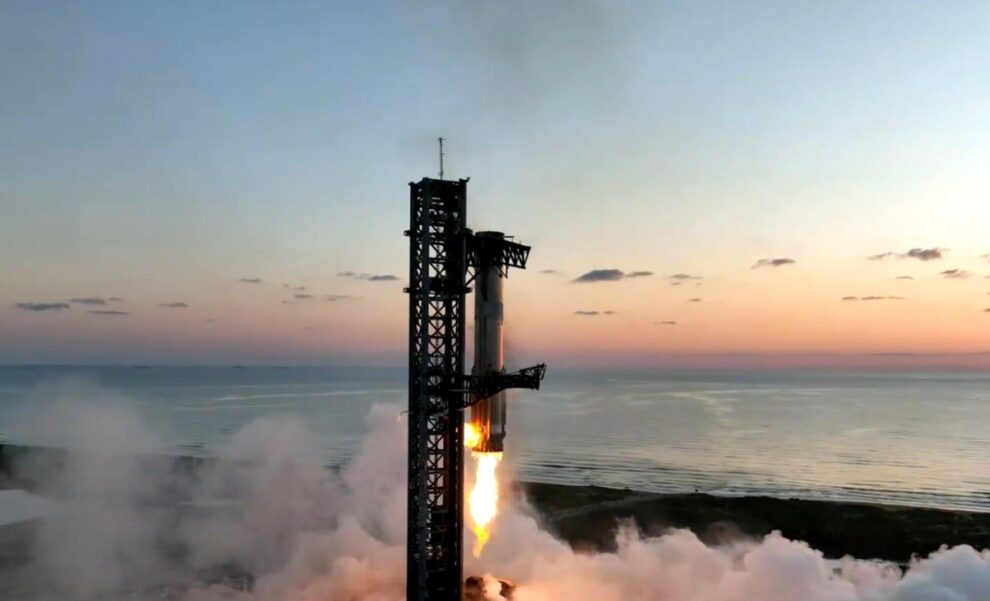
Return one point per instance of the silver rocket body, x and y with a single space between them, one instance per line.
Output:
488 416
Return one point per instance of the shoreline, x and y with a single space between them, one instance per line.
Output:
587 517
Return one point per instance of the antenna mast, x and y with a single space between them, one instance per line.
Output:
441 156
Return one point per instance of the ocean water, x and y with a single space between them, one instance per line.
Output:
918 438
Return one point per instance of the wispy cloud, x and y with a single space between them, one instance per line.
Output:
600 275
302 296
38 307
90 300
683 277
336 297
872 297
609 275
665 323
904 277
922 254
593 313
107 312
549 272
249 280
955 274
774 262
370 277
174 305
694 300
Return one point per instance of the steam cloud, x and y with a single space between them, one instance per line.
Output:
267 516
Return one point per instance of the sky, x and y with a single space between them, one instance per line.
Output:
764 162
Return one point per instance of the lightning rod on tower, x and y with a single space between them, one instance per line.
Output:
440 139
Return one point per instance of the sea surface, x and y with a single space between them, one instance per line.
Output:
902 437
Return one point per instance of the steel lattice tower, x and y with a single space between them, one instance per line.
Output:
437 287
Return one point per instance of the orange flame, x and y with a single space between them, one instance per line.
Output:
472 435
483 500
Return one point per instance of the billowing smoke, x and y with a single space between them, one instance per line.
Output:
266 521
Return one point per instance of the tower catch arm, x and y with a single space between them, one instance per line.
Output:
492 250
479 388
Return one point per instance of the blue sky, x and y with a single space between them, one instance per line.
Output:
160 151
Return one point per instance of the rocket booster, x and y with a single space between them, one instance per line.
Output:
488 416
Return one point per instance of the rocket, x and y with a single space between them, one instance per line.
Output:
488 415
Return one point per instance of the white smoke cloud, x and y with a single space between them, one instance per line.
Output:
101 541
267 522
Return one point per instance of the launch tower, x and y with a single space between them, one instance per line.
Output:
444 258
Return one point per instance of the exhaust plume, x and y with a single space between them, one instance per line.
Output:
266 521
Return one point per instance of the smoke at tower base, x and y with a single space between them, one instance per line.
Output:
269 510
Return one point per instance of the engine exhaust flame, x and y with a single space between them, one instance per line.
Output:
483 500
472 435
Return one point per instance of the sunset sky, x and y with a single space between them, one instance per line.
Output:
167 155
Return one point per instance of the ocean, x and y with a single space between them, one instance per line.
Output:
901 437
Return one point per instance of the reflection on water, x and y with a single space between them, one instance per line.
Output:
896 437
